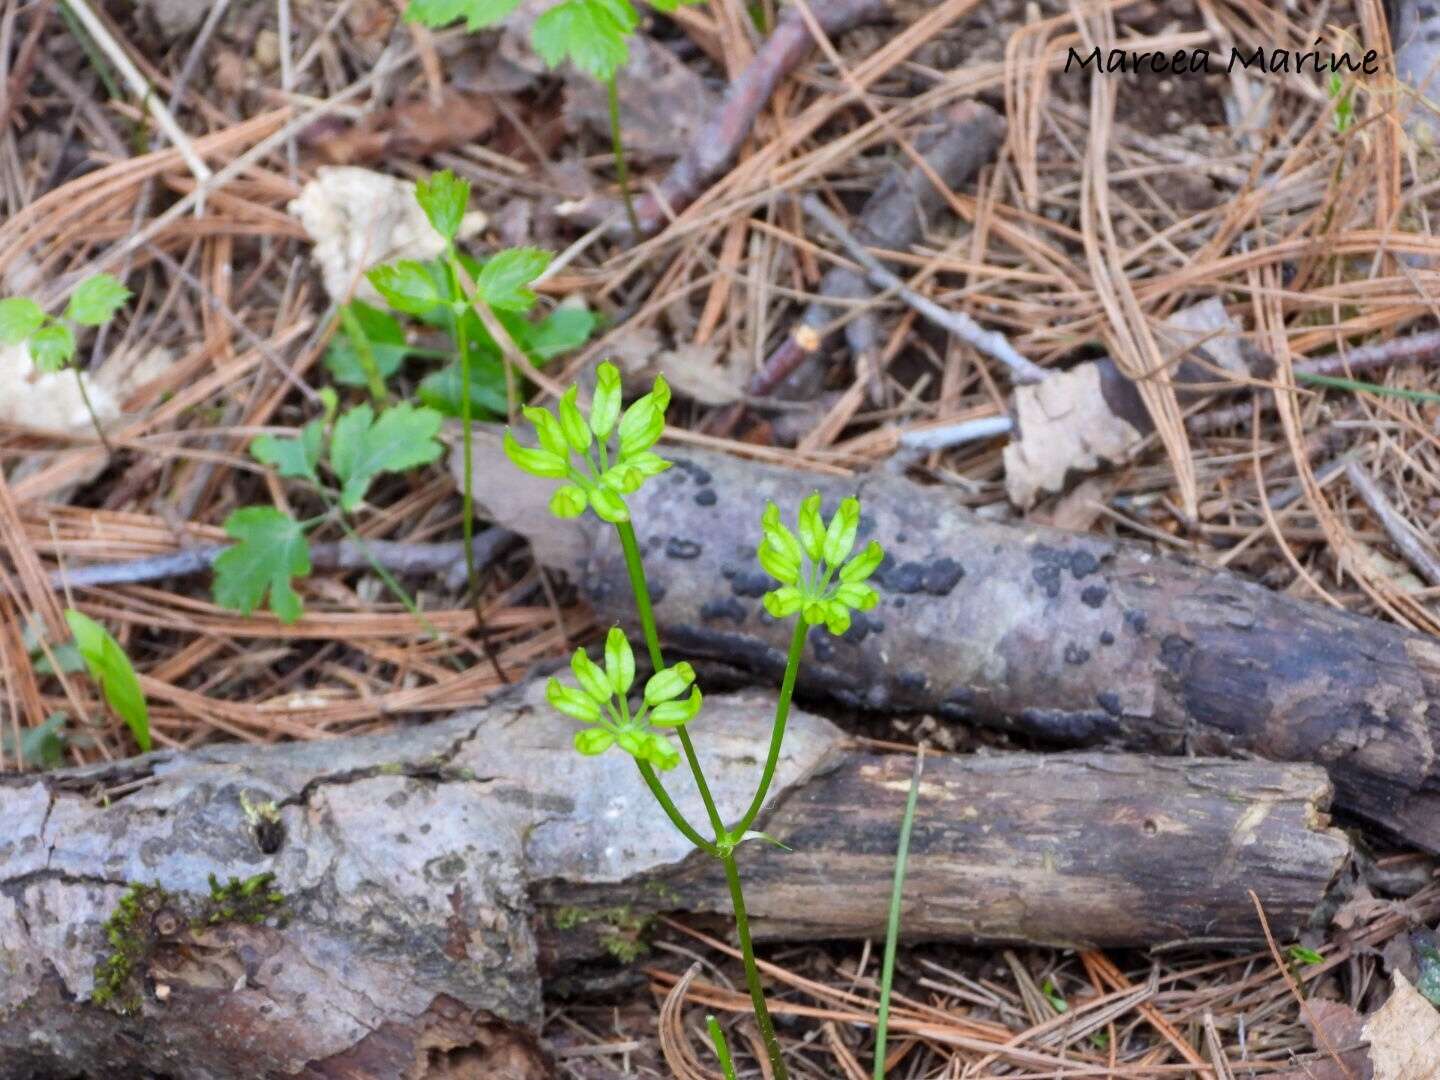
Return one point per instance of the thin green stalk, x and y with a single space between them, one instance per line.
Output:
622 167
672 811
777 732
752 973
722 1048
638 586
365 353
85 397
892 925
467 436
1355 385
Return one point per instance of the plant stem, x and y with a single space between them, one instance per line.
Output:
777 732
622 167
467 495
85 397
365 353
652 781
892 922
752 973
641 590
722 1048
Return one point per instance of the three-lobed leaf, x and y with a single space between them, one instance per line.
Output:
111 669
51 347
408 286
19 318
592 34
96 299
444 198
272 550
362 447
504 281
292 457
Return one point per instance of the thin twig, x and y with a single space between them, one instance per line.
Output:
1402 534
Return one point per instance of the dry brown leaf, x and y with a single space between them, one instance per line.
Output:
695 372
414 129
1064 425
359 218
1404 1036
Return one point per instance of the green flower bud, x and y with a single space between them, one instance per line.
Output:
779 565
840 536
572 424
592 680
619 661
813 612
660 752
857 596
571 702
864 564
593 740
605 408
837 617
568 502
632 741
783 602
623 479
812 527
660 393
668 684
548 431
640 427
535 462
647 464
675 713
609 505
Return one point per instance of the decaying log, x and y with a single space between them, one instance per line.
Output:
1073 639
422 879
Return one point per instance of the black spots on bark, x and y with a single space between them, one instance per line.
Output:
1136 621
705 497
751 583
861 627
937 577
686 467
1174 650
1094 595
1076 654
865 528
677 548
959 704
912 682
1051 564
657 592
728 608
821 644
1107 638
1110 702
1083 564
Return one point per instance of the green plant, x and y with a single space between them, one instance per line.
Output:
594 35
892 922
112 671
272 547
1342 103
819 581
52 340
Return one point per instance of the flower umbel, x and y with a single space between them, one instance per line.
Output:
815 578
602 483
602 702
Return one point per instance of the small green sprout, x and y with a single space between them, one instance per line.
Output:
1343 105
825 548
602 484
602 701
113 673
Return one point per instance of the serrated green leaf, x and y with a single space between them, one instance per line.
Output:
408 286
387 345
272 550
112 671
444 198
51 347
96 299
476 13
19 318
292 457
362 447
591 34
503 282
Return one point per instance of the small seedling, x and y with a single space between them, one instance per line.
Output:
594 35
606 457
272 547
51 340
112 671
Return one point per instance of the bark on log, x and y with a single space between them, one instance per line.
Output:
428 875
1073 639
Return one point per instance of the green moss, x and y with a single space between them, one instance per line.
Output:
134 929
621 932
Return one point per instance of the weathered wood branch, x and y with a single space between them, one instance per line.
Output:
423 879
1072 639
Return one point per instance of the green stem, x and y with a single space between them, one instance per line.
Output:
622 167
672 811
752 973
722 1048
467 495
364 353
85 397
892 922
777 732
641 590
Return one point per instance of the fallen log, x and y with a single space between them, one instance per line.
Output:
396 897
1072 639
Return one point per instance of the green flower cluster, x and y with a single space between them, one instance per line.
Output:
603 484
602 701
825 548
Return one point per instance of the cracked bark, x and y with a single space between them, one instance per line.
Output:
432 876
1072 639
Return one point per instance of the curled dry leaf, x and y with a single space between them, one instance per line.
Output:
413 129
359 219
1404 1036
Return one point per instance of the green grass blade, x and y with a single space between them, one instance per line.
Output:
722 1048
892 928
1355 385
